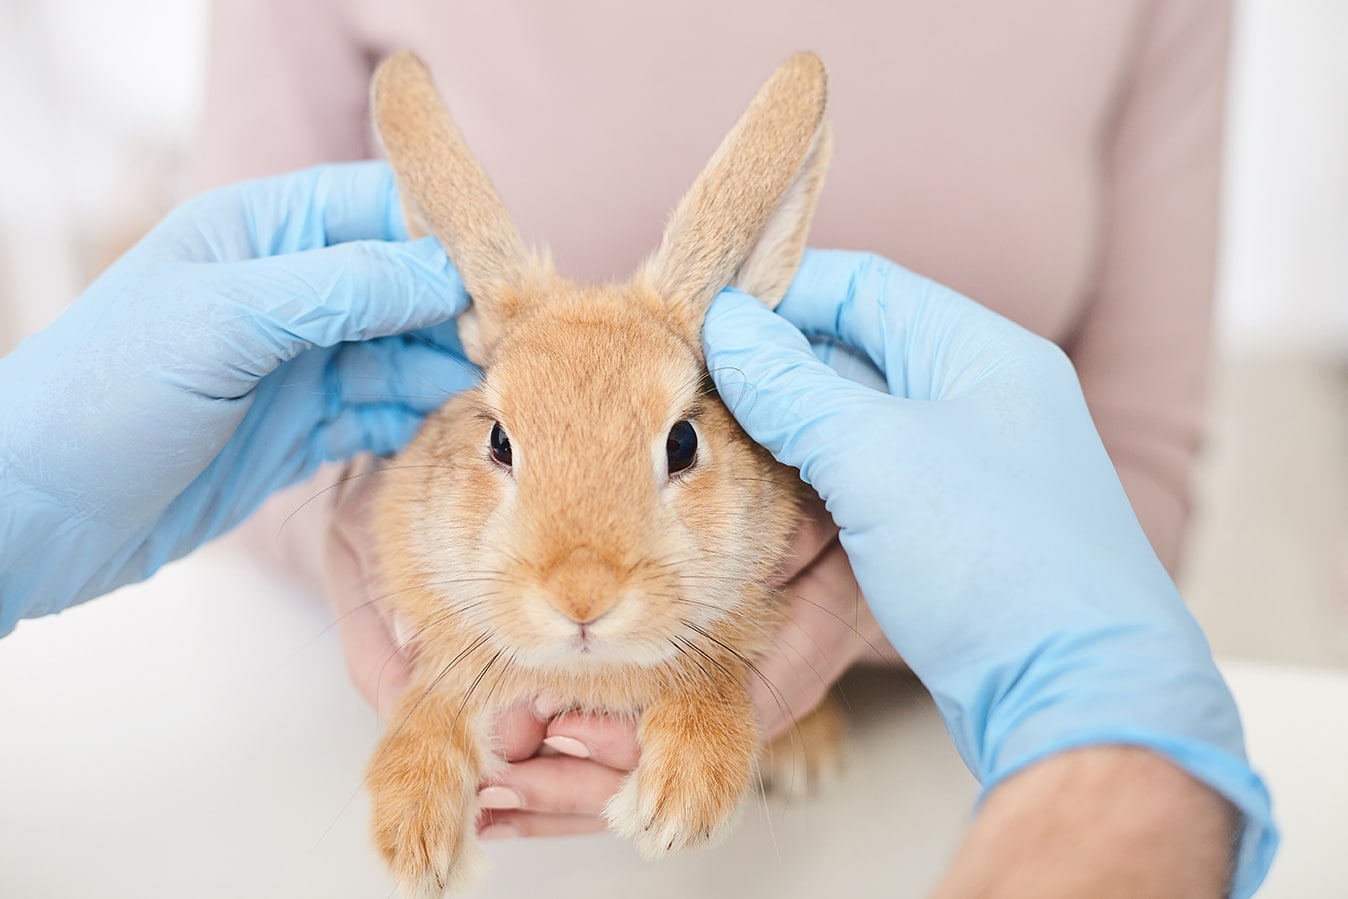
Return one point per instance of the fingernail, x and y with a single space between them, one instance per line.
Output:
546 708
402 634
502 831
499 798
568 746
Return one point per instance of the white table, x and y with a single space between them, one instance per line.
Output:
195 736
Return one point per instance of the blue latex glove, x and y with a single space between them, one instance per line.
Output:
986 526
216 363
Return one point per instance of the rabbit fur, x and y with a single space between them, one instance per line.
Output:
584 570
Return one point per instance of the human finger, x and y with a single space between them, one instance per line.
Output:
378 666
815 531
347 201
553 784
354 430
400 370
929 341
501 825
610 740
843 296
519 732
351 291
816 643
785 398
303 210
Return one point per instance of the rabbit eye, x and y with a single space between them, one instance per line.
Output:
500 445
681 447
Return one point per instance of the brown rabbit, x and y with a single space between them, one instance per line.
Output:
590 523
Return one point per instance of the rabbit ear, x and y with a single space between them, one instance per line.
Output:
446 193
745 220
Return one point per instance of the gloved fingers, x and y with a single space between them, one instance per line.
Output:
304 210
928 340
786 399
848 361
444 335
352 291
401 370
849 297
353 201
320 206
380 429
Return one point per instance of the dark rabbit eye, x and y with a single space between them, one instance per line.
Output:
681 447
500 445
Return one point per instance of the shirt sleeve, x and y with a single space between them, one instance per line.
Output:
286 87
1142 349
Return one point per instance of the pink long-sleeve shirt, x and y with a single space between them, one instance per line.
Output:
1057 161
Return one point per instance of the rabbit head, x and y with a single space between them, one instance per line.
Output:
592 506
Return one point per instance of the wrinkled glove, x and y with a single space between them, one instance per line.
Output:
986 526
242 343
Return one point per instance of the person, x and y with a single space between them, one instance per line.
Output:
261 330
1059 163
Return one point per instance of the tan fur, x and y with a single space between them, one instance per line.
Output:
583 572
446 193
753 202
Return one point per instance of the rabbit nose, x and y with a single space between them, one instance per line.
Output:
583 586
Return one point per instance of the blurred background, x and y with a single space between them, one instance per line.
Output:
100 103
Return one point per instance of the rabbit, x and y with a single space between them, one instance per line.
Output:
590 523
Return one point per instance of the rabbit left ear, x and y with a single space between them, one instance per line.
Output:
745 220
446 193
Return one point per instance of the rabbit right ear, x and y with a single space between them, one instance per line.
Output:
446 193
745 220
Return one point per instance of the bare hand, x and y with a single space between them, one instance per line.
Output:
564 765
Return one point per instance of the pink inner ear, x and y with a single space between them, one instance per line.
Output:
413 219
470 335
745 220
772 264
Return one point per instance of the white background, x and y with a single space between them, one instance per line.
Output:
182 741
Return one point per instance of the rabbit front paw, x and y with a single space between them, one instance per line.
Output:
678 799
423 814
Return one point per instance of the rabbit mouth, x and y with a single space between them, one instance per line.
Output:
584 640
586 647
586 643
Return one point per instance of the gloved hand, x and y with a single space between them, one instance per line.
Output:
224 357
986 526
